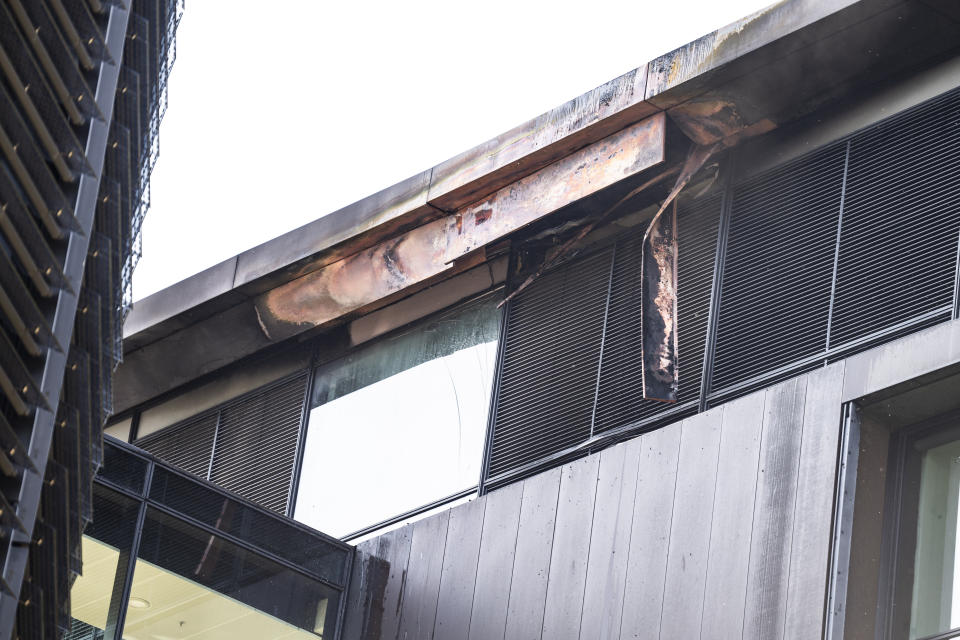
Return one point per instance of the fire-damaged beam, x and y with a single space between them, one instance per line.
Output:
412 258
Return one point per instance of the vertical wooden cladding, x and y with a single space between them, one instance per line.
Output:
714 527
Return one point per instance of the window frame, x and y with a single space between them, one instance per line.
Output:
899 530
424 510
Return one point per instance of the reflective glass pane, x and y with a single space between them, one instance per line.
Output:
190 584
399 423
95 595
123 468
263 529
936 584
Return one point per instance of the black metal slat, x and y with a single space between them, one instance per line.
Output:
775 301
550 360
39 93
256 443
620 396
898 245
30 245
186 445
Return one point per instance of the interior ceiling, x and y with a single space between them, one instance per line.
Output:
178 608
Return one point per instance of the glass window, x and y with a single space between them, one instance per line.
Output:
399 423
96 594
188 583
935 603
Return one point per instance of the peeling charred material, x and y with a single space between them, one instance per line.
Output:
430 250
658 304
563 250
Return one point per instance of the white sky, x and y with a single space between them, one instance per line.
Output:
281 112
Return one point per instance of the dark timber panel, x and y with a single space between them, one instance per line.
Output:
459 572
571 548
652 513
395 551
690 528
422 587
773 514
610 542
726 586
810 550
498 543
365 597
531 564
716 527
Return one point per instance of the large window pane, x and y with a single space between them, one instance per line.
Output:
188 583
96 594
400 423
935 605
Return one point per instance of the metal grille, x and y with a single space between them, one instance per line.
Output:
776 285
570 369
549 365
247 445
187 445
50 61
619 394
901 219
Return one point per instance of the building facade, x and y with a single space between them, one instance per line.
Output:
676 359
82 92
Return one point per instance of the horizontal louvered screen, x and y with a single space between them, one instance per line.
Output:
775 301
549 364
186 445
257 443
620 394
252 441
901 216
850 245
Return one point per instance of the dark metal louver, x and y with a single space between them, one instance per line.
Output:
548 371
619 396
247 445
901 218
775 299
186 445
571 358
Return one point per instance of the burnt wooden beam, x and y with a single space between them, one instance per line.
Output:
431 250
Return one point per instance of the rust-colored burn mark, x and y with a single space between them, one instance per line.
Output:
659 309
560 252
357 281
580 174
708 121
430 250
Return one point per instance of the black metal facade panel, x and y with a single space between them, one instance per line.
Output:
549 368
571 358
775 302
247 445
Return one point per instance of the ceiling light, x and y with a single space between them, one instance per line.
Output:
139 603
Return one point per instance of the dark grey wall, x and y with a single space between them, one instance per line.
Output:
692 529
718 526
